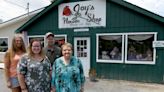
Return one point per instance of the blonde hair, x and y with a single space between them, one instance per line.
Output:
67 44
30 52
14 48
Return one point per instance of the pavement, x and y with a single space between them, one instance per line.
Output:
105 85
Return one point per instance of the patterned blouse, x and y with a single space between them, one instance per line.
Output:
37 74
67 78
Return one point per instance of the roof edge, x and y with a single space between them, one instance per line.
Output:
139 10
20 29
120 2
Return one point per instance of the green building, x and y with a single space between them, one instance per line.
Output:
120 40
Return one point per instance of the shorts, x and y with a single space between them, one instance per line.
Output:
14 82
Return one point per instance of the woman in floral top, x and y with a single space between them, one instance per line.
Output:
34 70
67 73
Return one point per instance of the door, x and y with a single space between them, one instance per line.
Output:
82 51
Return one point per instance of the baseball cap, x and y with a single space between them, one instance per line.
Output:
49 34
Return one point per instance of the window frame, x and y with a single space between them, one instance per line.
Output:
124 49
140 62
7 43
35 36
97 48
62 35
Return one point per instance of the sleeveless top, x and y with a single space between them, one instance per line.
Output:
13 65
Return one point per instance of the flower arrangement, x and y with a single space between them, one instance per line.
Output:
92 74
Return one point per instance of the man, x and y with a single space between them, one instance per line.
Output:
52 51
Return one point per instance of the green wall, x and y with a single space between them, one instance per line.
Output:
119 20
122 20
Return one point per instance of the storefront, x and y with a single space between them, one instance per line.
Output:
112 36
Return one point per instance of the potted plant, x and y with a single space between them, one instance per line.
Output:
92 74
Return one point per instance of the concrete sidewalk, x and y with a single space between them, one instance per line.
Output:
103 85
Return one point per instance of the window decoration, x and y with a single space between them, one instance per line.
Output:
139 48
129 48
110 48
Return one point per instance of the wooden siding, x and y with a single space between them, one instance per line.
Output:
122 20
119 20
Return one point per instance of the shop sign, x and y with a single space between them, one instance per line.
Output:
158 43
82 14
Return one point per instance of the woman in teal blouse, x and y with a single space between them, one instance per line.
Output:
67 72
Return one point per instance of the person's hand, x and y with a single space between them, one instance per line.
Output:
53 90
8 84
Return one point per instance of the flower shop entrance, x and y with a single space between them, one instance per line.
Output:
82 51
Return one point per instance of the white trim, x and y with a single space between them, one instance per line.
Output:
140 62
60 35
86 65
124 46
81 30
140 33
7 44
97 49
35 36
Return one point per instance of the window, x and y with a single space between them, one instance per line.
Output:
110 48
81 48
60 40
139 49
3 44
130 48
41 38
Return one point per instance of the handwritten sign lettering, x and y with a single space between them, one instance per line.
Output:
82 14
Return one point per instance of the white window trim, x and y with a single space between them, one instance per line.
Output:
140 62
36 36
97 50
124 46
7 43
61 35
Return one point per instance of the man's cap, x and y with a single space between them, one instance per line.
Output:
49 34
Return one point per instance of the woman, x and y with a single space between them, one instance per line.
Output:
11 60
34 69
67 73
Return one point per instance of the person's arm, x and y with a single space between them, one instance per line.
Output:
22 83
53 77
7 68
81 76
22 70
